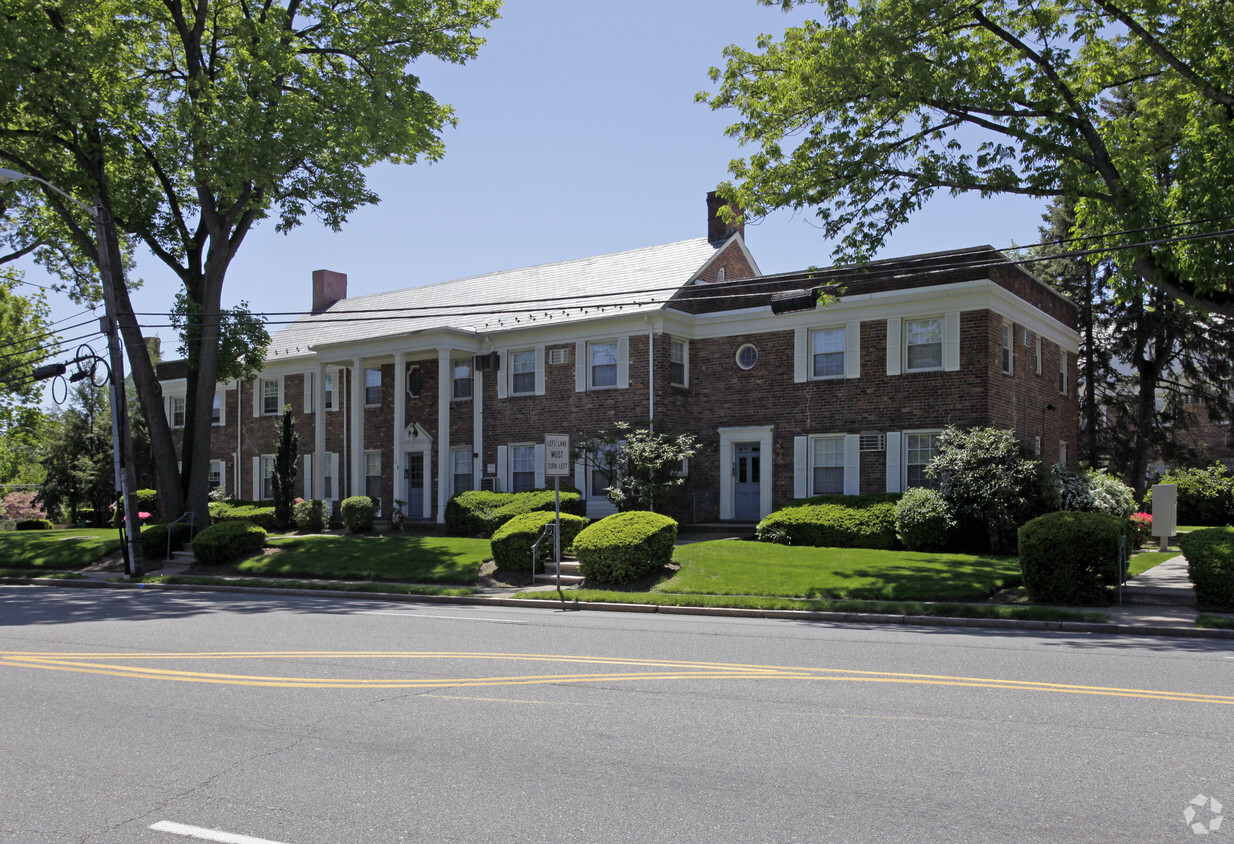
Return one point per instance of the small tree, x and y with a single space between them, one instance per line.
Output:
640 464
991 478
283 481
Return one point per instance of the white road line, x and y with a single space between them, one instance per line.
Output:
208 834
450 617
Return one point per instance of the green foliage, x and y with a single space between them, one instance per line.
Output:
24 325
924 520
283 481
1092 491
242 343
838 521
226 541
990 478
77 453
1210 565
512 541
236 511
33 524
641 465
309 516
625 546
358 513
1070 557
154 539
1205 496
872 108
480 513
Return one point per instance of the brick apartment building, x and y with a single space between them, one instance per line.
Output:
420 393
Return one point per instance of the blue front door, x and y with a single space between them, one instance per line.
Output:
415 485
747 475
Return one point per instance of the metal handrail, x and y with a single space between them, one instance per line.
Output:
549 530
186 514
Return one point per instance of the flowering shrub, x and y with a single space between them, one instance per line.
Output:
21 505
1092 491
1141 528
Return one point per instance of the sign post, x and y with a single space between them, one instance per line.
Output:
556 466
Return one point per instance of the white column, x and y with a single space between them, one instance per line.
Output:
445 385
477 425
356 486
319 433
400 422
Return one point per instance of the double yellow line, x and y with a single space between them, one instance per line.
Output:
129 665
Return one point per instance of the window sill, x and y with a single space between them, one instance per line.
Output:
908 371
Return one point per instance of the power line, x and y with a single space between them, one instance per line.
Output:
44 335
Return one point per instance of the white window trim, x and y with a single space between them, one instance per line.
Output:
1008 348
374 451
380 385
1064 385
259 392
471 377
537 464
506 381
222 400
1038 354
851 336
582 364
171 411
465 449
942 345
897 348
258 476
222 466
904 452
685 363
729 437
803 464
310 390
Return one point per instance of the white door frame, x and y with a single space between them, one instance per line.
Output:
729 437
416 440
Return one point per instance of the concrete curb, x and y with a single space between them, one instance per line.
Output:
785 615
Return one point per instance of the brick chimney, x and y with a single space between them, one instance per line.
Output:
329 288
717 229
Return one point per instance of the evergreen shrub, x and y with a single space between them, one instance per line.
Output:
358 513
623 547
1069 557
512 541
226 541
836 521
1210 565
1205 496
924 520
234 511
480 512
34 524
154 539
309 516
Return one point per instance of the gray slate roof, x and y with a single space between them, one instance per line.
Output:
637 281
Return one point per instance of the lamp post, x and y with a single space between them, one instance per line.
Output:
125 473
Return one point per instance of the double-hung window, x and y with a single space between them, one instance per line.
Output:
329 391
1008 353
177 412
218 474
372 387
923 344
270 396
679 359
372 478
266 474
827 351
522 467
828 466
462 379
523 372
330 477
603 363
1062 372
919 449
460 459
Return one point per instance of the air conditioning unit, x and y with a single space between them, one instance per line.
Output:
488 484
1024 335
559 357
873 441
488 363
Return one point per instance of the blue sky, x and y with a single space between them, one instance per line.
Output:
578 135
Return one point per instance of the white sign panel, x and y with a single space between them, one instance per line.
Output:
557 456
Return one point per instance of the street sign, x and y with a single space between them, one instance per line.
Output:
557 456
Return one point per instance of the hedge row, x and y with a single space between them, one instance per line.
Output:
837 521
512 541
226 541
153 539
625 546
1210 565
259 514
480 513
1070 558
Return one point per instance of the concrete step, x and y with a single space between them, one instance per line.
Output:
567 567
1158 595
183 557
566 579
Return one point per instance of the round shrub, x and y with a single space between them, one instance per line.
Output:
358 513
260 515
34 524
1069 558
924 520
154 539
512 541
1210 565
309 516
833 521
225 541
625 546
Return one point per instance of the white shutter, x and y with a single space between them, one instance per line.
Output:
539 465
281 400
580 477
685 357
503 375
801 464
852 350
951 342
540 370
308 477
256 397
256 478
580 366
223 475
893 461
502 462
894 327
309 391
623 362
852 464
801 356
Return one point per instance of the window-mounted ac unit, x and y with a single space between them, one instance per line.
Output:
488 363
1024 336
488 484
559 357
873 441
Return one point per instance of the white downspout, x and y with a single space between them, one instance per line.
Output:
651 377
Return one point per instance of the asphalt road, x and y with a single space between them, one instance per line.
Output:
139 716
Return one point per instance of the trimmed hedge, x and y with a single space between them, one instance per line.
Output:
480 513
1070 557
512 541
836 521
358 513
309 516
242 511
1210 565
34 524
924 520
625 546
225 541
154 539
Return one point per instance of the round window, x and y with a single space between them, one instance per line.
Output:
747 356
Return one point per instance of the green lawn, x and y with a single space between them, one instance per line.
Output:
727 567
1145 560
408 559
56 549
